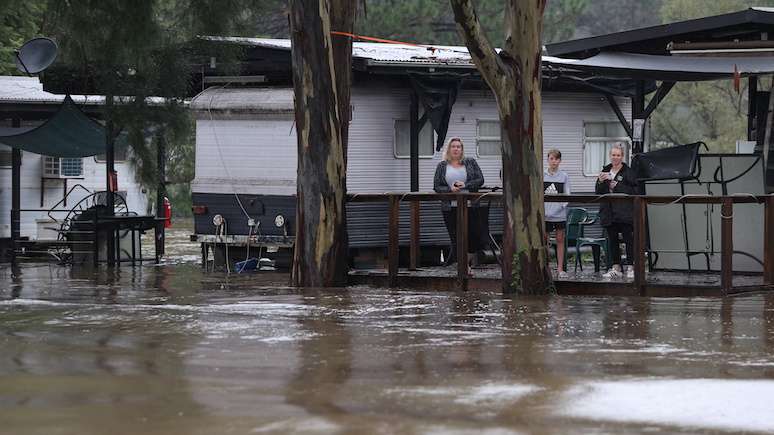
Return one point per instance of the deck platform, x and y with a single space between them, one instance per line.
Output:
679 283
586 282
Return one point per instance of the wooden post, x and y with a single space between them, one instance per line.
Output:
414 229
726 244
392 248
768 240
462 241
639 244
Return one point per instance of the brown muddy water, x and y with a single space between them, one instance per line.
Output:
182 349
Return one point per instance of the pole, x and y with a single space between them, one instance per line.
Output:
110 181
161 194
16 161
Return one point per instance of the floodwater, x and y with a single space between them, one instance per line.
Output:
182 349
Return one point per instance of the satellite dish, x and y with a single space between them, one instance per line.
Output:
36 55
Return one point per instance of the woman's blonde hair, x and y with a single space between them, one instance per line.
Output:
618 146
446 157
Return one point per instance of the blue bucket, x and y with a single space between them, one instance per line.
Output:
246 266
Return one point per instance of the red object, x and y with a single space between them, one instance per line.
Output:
113 181
167 214
199 209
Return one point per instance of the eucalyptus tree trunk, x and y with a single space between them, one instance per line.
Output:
321 70
514 75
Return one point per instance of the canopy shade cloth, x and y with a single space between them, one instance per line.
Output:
665 68
69 133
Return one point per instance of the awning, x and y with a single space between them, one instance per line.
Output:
69 133
437 93
665 68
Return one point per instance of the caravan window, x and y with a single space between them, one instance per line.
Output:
6 158
119 155
488 137
402 139
598 138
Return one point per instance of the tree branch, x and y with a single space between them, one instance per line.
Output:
488 62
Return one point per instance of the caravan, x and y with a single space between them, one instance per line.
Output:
246 146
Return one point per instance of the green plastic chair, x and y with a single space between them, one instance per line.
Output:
573 230
597 244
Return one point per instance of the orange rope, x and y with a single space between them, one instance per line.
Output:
383 40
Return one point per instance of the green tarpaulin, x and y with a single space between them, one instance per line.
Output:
69 133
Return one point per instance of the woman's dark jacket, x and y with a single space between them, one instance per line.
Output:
474 182
620 212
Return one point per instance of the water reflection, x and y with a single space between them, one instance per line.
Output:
324 364
179 349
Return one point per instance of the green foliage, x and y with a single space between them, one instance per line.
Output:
17 25
180 198
680 10
416 21
431 22
516 271
711 112
516 267
560 19
609 16
137 52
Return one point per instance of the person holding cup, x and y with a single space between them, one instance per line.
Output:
617 177
458 173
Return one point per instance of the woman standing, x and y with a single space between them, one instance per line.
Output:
618 218
457 173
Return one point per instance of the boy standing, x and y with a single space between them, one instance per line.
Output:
556 181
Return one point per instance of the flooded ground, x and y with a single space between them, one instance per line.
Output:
180 349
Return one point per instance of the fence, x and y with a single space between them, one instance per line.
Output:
639 203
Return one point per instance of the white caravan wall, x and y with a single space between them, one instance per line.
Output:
372 167
246 156
563 118
255 152
53 190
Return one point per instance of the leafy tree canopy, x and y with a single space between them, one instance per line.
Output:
17 25
428 21
132 50
432 22
610 16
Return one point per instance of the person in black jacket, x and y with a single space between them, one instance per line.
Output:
617 177
457 173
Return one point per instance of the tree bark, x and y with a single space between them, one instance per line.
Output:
322 116
514 75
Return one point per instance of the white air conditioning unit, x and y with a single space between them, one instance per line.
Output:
62 167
